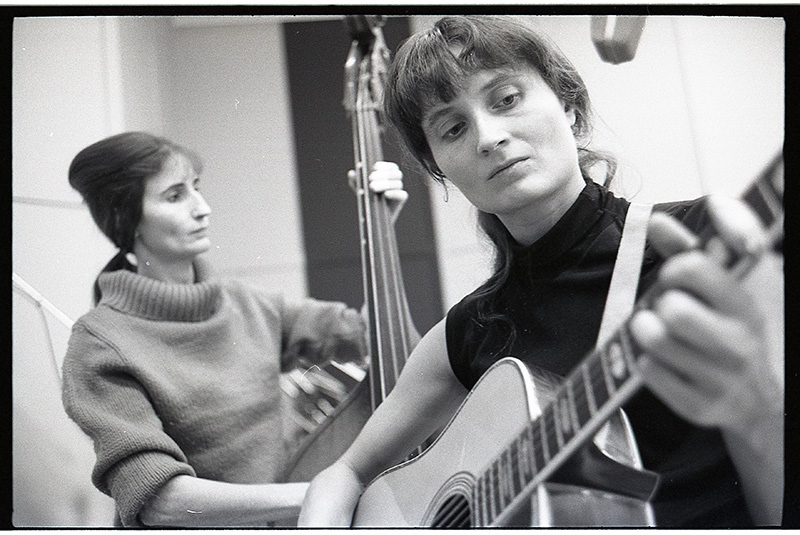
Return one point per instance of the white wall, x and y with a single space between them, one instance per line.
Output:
228 99
699 109
62 101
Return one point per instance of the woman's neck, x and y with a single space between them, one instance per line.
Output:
529 224
178 271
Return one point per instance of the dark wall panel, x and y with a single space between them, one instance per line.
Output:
316 52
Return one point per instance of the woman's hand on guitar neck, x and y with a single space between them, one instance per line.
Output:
386 178
707 354
704 334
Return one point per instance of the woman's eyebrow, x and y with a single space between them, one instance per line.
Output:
430 119
500 78
189 179
171 187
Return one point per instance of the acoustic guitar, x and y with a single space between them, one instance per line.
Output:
485 470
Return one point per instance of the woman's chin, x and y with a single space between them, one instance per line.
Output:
203 245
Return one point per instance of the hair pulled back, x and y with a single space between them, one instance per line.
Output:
431 67
110 175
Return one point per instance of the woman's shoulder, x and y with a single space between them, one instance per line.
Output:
92 339
693 213
244 290
248 298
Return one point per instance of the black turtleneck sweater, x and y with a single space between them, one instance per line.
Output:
555 297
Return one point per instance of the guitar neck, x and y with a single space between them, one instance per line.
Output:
596 388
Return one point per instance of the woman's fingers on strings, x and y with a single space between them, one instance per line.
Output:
385 176
697 389
737 225
669 236
723 340
703 277
677 345
680 393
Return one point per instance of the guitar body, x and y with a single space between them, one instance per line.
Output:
424 490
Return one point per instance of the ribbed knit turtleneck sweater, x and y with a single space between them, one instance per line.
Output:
172 379
161 301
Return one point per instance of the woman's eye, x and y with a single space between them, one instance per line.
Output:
508 100
175 196
453 131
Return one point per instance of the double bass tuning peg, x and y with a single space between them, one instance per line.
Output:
362 27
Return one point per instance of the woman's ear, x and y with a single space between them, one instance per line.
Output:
569 111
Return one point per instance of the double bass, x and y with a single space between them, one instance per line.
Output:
391 331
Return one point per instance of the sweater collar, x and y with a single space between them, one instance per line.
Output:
573 225
152 299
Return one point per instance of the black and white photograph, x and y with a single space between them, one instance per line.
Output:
398 267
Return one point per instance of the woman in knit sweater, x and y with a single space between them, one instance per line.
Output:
174 374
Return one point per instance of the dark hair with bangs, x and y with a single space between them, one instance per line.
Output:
110 176
430 67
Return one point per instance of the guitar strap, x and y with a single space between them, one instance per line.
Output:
616 438
625 278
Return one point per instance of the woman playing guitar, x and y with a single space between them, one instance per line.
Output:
497 111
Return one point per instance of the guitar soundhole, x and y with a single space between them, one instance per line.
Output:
454 513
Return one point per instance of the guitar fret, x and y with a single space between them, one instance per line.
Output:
630 348
525 455
493 492
514 481
570 403
539 447
582 403
616 367
477 502
501 481
514 462
601 386
769 190
507 480
763 199
591 403
553 438
485 513
564 416
755 198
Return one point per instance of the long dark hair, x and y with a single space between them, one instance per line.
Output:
426 70
110 176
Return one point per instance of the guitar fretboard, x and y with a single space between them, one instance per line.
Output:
593 391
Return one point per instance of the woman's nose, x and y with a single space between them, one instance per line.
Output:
201 208
491 134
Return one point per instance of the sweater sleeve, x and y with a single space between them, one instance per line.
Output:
315 332
134 456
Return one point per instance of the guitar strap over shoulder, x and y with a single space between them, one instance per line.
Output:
616 438
625 278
